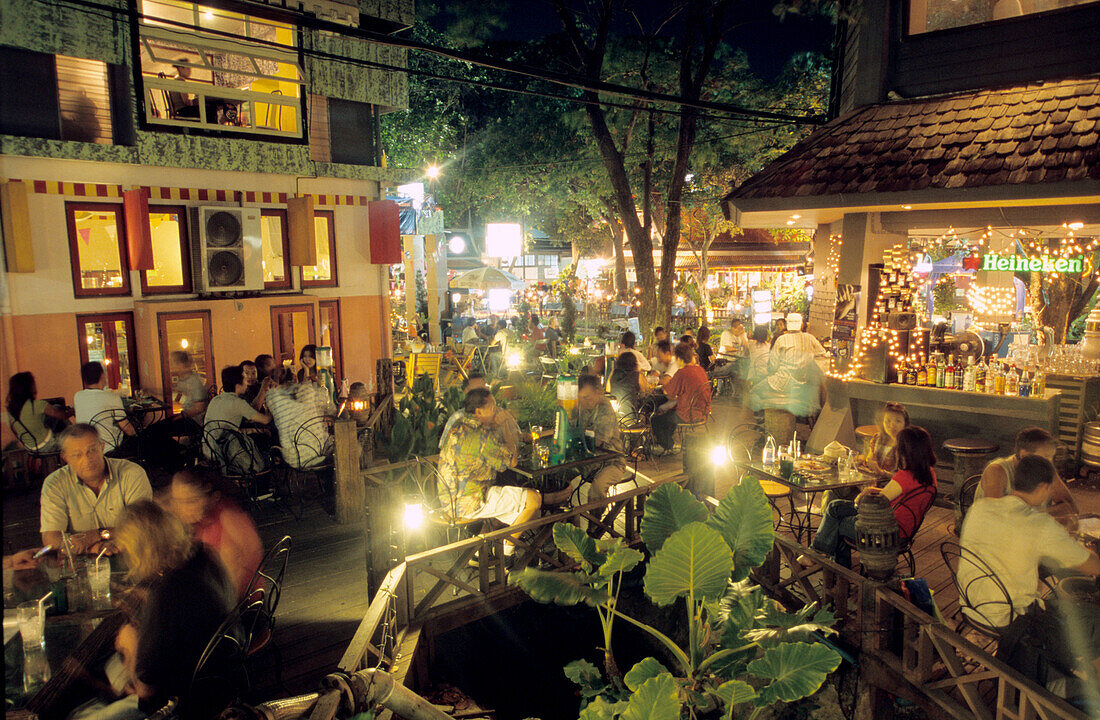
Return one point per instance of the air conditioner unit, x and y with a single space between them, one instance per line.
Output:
229 249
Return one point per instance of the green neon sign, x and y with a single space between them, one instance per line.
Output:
1022 263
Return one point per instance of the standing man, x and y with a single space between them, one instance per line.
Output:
86 496
594 414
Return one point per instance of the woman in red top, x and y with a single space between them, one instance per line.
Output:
688 393
219 524
910 492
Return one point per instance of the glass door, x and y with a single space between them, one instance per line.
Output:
108 339
331 335
188 332
292 329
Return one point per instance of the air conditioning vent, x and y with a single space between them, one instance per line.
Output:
230 255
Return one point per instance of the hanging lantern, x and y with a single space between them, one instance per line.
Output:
877 537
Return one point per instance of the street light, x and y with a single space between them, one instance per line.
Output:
432 171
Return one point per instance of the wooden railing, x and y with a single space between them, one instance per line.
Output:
903 650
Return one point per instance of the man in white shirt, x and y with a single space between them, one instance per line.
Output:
666 363
627 343
96 402
732 345
231 408
1012 535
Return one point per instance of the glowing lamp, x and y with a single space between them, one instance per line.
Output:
414 516
503 240
457 244
719 456
432 171
514 360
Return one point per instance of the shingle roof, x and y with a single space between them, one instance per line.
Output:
1042 133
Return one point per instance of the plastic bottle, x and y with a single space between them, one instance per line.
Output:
1012 382
768 458
1025 384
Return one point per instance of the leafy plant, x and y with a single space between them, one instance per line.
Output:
532 404
420 420
743 651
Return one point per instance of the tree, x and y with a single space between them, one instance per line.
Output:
1059 298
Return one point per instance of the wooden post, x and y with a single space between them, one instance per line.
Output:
349 485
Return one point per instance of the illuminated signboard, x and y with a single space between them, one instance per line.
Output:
1022 263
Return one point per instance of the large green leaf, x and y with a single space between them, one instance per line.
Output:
557 587
587 676
744 519
656 699
735 692
577 544
667 509
621 559
796 670
642 671
693 559
600 709
776 624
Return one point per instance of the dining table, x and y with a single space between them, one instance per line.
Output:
552 479
809 478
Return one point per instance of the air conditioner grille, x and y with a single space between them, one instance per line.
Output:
225 268
223 229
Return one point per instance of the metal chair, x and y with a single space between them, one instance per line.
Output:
238 459
965 499
267 586
637 436
45 455
106 424
955 556
221 671
549 369
914 505
311 452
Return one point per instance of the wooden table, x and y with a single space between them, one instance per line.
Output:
800 519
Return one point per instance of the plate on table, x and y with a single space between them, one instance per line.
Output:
813 465
1089 526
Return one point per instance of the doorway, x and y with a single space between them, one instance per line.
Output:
331 336
189 332
292 328
109 339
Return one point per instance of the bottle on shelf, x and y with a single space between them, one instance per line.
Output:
991 378
999 380
969 374
1012 382
941 371
980 371
949 373
1025 384
1039 383
910 373
922 372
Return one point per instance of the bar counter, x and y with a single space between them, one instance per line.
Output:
952 413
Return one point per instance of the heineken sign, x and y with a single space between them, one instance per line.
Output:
1022 263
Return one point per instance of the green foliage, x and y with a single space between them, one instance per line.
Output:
420 420
744 652
533 404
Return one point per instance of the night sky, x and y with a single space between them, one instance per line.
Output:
767 40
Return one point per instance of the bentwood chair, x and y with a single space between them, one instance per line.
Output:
913 506
742 449
238 459
106 424
965 499
311 454
698 411
981 576
267 587
221 673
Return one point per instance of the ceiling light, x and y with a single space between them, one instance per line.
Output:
795 217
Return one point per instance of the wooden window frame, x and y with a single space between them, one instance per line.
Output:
276 310
126 317
334 280
337 335
207 343
286 283
79 291
185 255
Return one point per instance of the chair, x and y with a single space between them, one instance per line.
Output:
637 436
424 364
742 447
955 556
221 670
913 505
106 424
43 454
267 586
238 458
549 369
965 498
311 451
698 410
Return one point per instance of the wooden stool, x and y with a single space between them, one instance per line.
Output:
865 433
971 456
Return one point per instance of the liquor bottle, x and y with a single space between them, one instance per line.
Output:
1012 382
910 374
1039 383
960 375
969 374
949 374
941 371
1025 384
922 373
991 378
999 380
980 371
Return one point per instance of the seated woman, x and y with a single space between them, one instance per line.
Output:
218 523
916 462
627 384
29 418
881 457
308 360
187 595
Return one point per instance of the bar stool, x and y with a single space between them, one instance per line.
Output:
971 456
865 433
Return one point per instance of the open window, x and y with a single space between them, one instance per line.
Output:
274 237
171 271
210 68
323 274
97 249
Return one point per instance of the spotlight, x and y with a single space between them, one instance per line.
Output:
432 171
719 456
414 516
514 360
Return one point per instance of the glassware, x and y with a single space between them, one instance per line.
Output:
31 617
36 669
99 581
786 465
767 458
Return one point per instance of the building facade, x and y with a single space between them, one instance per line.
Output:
182 176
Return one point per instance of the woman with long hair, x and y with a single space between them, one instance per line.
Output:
218 523
187 596
27 416
881 457
308 360
626 382
916 470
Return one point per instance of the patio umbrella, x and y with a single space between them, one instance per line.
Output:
487 278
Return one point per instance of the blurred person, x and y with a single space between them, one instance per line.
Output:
307 358
688 394
265 366
593 413
218 523
797 339
703 350
22 560
189 390
667 362
553 337
779 329
117 432
468 465
659 334
536 334
627 383
999 475
627 346
87 495
30 418
295 406
791 387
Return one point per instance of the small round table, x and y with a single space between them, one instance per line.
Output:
971 456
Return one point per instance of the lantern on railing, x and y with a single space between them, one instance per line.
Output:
877 537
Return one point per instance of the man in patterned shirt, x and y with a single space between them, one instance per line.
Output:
594 414
473 454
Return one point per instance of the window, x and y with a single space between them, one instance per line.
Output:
190 332
330 334
291 330
930 15
276 257
211 68
97 248
323 274
107 339
171 271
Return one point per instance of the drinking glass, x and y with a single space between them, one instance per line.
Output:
786 466
36 669
32 624
99 581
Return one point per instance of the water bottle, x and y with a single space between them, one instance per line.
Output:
844 468
768 458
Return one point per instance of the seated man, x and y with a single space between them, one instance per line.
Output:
230 407
1012 535
86 496
188 390
733 341
469 462
299 410
626 345
667 363
688 398
659 334
115 429
997 480
593 413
